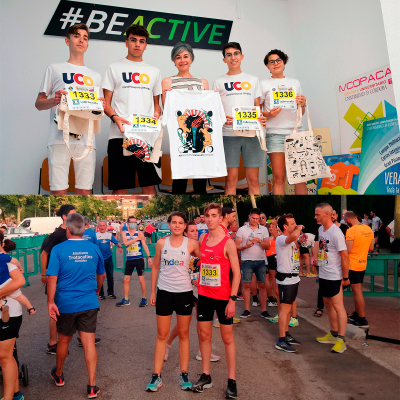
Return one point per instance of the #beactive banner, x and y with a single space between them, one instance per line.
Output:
380 157
110 23
363 98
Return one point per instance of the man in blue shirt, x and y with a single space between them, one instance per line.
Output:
104 240
75 276
89 234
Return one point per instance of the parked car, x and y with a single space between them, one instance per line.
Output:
42 225
17 232
163 227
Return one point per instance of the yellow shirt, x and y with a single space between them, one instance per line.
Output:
361 235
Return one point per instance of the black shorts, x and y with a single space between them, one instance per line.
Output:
288 293
118 165
207 306
131 264
82 321
376 234
272 262
147 234
356 277
10 329
329 288
168 302
304 250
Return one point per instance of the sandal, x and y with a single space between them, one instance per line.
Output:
30 311
318 313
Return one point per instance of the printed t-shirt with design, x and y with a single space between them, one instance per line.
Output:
376 223
237 91
255 252
134 84
90 236
61 76
15 307
285 121
201 228
361 236
331 242
194 270
104 241
76 263
391 227
287 260
4 274
195 120
214 270
135 250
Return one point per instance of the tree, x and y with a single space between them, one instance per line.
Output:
14 202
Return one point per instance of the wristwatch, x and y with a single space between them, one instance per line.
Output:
234 298
345 279
112 117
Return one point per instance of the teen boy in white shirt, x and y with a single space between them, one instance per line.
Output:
56 77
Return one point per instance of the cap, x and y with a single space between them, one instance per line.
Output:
65 209
227 210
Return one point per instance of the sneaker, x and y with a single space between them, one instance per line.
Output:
143 302
216 323
293 322
240 298
92 391
328 338
184 378
156 382
167 352
302 274
19 396
58 380
96 340
236 320
353 316
231 390
292 341
311 275
265 315
123 302
275 319
51 349
204 382
102 297
285 346
245 314
255 304
360 322
110 296
272 303
339 346
213 358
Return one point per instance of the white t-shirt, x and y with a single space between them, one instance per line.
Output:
391 227
287 259
255 252
331 243
366 221
58 77
236 91
15 309
285 121
376 223
195 120
134 84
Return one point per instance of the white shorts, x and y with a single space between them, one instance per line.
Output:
59 161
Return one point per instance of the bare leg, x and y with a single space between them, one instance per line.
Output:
252 180
230 349
294 309
184 344
25 302
83 191
307 262
143 286
341 315
263 296
300 188
205 334
284 317
231 180
62 352
9 368
358 299
278 172
172 335
90 355
127 280
163 326
246 295
53 332
149 190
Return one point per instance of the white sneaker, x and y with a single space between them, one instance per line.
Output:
213 357
167 352
255 304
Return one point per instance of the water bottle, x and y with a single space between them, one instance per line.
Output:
251 237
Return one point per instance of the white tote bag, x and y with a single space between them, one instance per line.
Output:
303 158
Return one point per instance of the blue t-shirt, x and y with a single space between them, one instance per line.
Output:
4 274
76 263
103 240
134 250
90 236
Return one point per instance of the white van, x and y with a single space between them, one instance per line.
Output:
41 225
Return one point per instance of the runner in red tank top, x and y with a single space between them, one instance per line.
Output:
216 294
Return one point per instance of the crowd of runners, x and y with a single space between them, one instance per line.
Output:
206 265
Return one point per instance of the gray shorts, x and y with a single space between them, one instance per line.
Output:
253 156
82 321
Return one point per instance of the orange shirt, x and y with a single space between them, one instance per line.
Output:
272 249
361 235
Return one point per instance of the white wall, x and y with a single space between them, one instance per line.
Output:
320 55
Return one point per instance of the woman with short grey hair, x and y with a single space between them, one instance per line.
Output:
182 56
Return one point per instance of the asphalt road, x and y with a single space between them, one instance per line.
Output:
125 359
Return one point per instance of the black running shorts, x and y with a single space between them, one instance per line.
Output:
147 234
122 169
82 321
131 264
207 306
168 302
356 277
304 250
288 293
10 329
329 288
272 262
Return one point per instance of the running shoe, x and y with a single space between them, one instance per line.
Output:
360 322
58 380
204 382
19 396
92 391
272 303
111 296
102 297
292 341
339 346
51 349
123 302
245 314
328 338
216 323
353 316
275 319
311 275
240 298
213 357
236 320
265 315
143 302
184 378
231 390
156 382
302 274
255 304
293 322
96 340
285 346
167 352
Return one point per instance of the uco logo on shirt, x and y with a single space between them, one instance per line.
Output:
78 78
237 86
136 77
